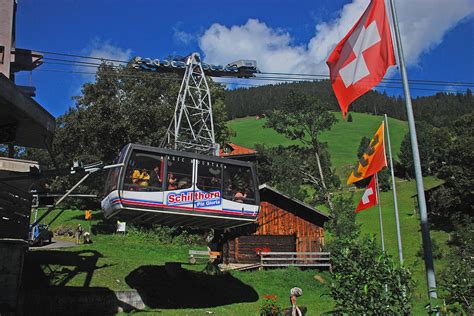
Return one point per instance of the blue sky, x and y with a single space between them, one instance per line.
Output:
282 35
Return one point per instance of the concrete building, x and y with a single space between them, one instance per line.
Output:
23 122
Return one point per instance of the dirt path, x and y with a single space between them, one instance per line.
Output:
56 244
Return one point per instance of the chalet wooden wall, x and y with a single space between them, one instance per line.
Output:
278 230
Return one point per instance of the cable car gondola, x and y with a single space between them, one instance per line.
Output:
169 187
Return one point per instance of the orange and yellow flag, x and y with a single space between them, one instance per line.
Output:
373 160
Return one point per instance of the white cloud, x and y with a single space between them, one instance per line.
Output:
181 36
106 51
98 49
423 24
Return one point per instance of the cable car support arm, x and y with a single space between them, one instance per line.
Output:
89 169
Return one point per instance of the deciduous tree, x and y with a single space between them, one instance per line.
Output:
303 118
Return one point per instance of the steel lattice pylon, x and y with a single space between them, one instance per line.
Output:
192 128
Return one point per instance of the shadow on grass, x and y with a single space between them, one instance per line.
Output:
46 274
45 268
159 288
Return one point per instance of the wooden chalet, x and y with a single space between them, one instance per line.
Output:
284 224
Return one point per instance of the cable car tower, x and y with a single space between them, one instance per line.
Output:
192 127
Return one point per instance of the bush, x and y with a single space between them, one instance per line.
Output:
164 235
435 248
367 281
456 279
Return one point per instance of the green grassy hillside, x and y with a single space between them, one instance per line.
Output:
343 139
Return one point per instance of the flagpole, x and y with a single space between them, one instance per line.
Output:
394 190
425 232
380 210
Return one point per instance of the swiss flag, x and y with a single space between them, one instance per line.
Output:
369 198
359 62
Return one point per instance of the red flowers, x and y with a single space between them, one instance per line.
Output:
260 250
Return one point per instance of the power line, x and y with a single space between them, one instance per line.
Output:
261 78
81 56
387 79
264 78
321 76
274 80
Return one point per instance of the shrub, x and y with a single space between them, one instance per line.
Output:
164 235
435 248
456 279
366 281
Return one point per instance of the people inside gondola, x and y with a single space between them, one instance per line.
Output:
155 179
228 190
136 176
240 196
183 183
214 183
172 182
144 178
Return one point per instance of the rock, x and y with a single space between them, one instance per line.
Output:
319 278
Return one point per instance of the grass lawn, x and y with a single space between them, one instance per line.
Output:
117 259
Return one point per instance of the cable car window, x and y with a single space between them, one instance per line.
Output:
180 173
209 176
112 177
144 172
238 184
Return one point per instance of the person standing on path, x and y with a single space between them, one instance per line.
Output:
79 232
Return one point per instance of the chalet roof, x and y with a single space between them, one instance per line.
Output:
23 121
292 205
236 150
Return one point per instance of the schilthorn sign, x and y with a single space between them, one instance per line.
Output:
200 198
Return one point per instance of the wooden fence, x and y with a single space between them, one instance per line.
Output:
297 259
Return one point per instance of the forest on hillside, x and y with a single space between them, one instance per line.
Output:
439 109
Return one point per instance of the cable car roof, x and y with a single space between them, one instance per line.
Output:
167 151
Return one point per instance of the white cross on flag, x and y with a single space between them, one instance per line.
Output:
369 198
359 62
